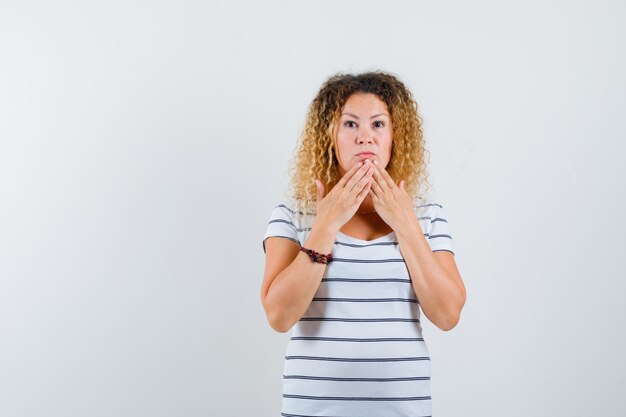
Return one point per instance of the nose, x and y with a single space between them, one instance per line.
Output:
364 136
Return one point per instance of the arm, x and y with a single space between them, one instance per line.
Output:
291 279
434 276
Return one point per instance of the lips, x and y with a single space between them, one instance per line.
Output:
365 154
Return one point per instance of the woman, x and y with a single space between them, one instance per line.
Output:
356 253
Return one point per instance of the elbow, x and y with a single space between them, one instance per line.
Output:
279 325
451 319
277 321
275 316
275 324
449 323
453 316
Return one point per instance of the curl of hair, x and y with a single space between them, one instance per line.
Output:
315 155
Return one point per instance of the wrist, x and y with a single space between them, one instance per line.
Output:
317 256
324 227
407 228
321 237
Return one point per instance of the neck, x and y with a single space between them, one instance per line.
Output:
367 206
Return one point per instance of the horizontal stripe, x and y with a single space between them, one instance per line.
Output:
304 415
293 211
365 280
367 300
383 319
443 250
436 236
330 358
430 204
311 397
436 219
419 218
286 237
298 229
307 415
356 245
367 261
348 244
329 378
349 339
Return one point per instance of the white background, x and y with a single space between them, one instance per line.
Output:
143 146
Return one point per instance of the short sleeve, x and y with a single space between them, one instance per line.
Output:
281 224
439 235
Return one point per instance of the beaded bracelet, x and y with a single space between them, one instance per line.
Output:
316 256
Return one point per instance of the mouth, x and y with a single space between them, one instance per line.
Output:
365 154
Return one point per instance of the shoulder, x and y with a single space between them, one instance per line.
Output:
282 212
282 223
289 209
427 207
434 221
288 212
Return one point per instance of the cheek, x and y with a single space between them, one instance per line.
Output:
341 144
389 144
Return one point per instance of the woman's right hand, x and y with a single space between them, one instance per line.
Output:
340 204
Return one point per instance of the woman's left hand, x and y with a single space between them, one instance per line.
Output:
392 203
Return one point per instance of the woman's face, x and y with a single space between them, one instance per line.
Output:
364 126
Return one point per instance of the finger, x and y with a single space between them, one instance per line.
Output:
363 193
383 178
376 186
374 195
353 175
363 182
385 175
356 182
380 181
344 180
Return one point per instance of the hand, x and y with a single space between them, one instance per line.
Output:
392 203
336 208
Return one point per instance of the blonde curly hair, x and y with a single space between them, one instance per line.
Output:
315 155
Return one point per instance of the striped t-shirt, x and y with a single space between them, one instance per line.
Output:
358 350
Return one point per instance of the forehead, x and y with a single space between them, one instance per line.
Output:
365 103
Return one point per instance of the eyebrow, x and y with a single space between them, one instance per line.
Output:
356 117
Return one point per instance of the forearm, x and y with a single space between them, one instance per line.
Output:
440 297
293 289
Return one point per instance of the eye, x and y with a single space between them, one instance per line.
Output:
347 123
379 124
